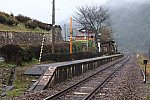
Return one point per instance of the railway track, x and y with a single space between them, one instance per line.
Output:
88 87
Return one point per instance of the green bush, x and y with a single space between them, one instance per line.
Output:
66 56
12 22
31 25
15 54
59 48
77 46
56 57
42 25
35 23
7 19
22 19
27 54
3 19
12 54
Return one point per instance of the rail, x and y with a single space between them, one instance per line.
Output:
71 88
89 97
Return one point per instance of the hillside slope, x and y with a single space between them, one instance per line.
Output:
9 22
131 26
20 28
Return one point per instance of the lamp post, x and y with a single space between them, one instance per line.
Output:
99 44
87 39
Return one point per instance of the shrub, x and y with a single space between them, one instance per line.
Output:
12 54
3 19
56 57
16 54
12 22
77 46
35 50
67 57
7 19
35 23
31 25
22 19
27 54
42 25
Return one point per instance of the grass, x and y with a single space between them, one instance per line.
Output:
6 65
21 28
20 85
1 88
21 82
140 61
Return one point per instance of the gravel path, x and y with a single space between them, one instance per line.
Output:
126 85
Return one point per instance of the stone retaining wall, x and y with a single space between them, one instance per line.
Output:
29 38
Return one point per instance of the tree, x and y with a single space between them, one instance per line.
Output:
105 34
93 18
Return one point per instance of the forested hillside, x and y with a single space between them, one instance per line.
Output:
131 25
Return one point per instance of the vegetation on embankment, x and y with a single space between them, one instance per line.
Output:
21 82
9 22
20 28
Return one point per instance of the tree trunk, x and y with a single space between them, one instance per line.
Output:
96 42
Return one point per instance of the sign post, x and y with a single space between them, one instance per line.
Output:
145 63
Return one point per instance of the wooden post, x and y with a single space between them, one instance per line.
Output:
145 63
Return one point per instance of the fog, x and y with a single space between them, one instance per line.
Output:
131 25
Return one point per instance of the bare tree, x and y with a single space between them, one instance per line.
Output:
93 18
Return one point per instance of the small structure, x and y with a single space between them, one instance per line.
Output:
108 47
85 35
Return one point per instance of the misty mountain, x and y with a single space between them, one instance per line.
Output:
131 26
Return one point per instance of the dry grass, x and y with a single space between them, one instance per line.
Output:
140 60
20 28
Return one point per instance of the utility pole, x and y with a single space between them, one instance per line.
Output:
53 27
71 37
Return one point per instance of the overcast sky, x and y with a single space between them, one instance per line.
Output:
41 9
